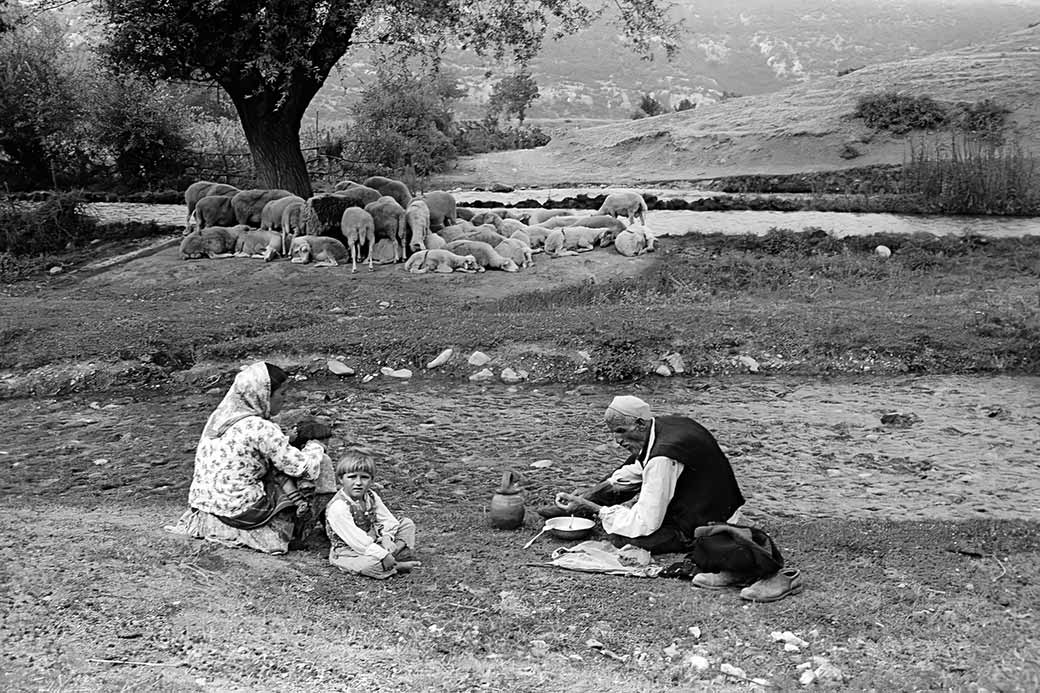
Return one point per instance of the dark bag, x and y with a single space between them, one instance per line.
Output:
308 429
736 549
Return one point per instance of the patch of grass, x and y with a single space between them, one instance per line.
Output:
900 113
972 176
45 227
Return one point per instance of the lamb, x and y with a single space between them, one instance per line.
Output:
358 229
321 250
435 242
443 261
456 232
515 250
485 255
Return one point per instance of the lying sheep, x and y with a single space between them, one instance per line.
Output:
561 241
634 241
435 242
540 215
485 233
259 243
213 242
536 236
321 250
457 231
358 229
441 260
515 250
485 255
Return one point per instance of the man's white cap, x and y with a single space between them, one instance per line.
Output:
633 407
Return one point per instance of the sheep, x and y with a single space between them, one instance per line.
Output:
321 250
212 242
560 241
200 189
389 186
389 219
441 260
443 210
635 240
417 223
515 250
358 229
248 204
485 233
259 243
213 210
627 202
485 255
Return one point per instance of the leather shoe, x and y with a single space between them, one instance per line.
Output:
718 581
775 587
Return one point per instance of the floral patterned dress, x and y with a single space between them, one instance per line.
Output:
240 453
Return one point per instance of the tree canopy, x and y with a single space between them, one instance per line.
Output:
513 95
272 56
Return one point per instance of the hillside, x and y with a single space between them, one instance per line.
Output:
742 47
803 128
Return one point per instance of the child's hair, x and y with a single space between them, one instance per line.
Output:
357 460
276 375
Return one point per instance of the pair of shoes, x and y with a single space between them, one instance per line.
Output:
718 581
775 587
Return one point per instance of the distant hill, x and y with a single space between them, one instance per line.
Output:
743 47
803 128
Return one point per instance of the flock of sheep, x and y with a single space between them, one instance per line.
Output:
381 220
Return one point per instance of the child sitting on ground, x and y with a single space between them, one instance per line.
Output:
366 537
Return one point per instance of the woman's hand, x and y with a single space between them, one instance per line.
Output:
388 562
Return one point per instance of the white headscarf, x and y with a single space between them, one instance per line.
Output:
250 395
632 407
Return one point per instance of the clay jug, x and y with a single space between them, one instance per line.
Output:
507 505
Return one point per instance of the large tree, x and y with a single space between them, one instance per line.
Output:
272 56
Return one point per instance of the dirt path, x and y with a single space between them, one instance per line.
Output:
816 449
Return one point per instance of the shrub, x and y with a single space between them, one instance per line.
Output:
45 227
900 113
985 119
685 105
477 137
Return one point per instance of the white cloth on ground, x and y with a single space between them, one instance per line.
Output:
603 557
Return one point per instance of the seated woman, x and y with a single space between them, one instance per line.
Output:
244 489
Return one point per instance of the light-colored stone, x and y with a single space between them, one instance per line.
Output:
675 361
338 367
508 375
749 363
442 358
486 374
402 373
479 358
663 371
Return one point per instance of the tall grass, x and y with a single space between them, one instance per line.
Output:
965 175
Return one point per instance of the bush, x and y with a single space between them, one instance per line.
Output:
480 136
900 113
46 227
985 119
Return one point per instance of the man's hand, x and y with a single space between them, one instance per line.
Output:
570 502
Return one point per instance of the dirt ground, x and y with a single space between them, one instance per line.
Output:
915 533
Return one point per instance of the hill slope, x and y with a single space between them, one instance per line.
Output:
800 129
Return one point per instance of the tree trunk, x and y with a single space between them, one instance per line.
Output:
274 142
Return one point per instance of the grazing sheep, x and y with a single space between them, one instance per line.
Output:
435 242
392 187
321 250
389 220
485 255
417 223
322 215
581 238
214 242
634 241
359 230
628 203
441 260
259 243
213 210
204 188
515 250
522 236
249 204
443 211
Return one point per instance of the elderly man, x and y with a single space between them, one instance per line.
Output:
682 477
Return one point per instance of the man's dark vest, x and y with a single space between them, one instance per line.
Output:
706 490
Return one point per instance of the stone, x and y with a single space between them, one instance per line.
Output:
442 358
663 371
479 358
749 363
883 251
338 367
508 375
484 375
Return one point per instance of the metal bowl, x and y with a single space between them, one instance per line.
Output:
570 527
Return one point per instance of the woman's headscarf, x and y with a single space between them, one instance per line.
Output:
250 395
